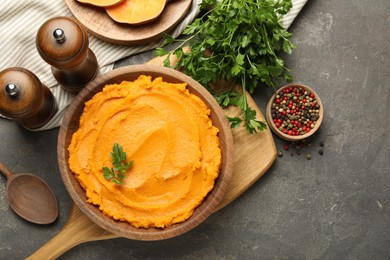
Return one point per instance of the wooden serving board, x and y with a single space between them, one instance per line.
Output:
99 24
253 155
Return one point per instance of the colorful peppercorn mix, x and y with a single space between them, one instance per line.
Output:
295 111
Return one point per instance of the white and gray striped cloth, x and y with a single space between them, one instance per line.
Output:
20 20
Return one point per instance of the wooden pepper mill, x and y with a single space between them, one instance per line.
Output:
24 99
63 43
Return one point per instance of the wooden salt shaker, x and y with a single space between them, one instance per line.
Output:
63 43
24 99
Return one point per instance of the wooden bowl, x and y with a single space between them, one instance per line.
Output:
285 136
70 124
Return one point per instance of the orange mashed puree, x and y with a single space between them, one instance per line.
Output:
167 131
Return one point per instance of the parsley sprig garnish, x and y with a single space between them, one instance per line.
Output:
243 39
116 174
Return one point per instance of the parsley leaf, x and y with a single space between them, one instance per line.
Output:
237 41
116 174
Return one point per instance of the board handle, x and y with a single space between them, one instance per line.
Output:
78 229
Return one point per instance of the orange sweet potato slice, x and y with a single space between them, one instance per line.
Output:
136 11
101 3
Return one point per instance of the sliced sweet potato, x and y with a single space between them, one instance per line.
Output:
136 11
101 3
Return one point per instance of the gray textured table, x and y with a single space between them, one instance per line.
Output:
334 206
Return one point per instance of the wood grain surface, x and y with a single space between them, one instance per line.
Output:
253 155
99 24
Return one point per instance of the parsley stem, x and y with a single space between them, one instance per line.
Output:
243 81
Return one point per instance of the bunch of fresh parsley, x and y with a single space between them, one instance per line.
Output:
243 39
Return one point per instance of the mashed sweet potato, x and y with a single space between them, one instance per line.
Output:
167 131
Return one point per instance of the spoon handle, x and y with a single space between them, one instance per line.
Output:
5 171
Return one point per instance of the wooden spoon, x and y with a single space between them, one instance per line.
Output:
30 197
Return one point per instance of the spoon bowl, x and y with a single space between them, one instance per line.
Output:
30 197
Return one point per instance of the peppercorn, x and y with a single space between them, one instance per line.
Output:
322 143
321 152
308 156
280 153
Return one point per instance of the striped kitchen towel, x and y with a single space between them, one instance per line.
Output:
20 20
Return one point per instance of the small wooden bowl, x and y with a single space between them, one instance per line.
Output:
70 124
290 137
